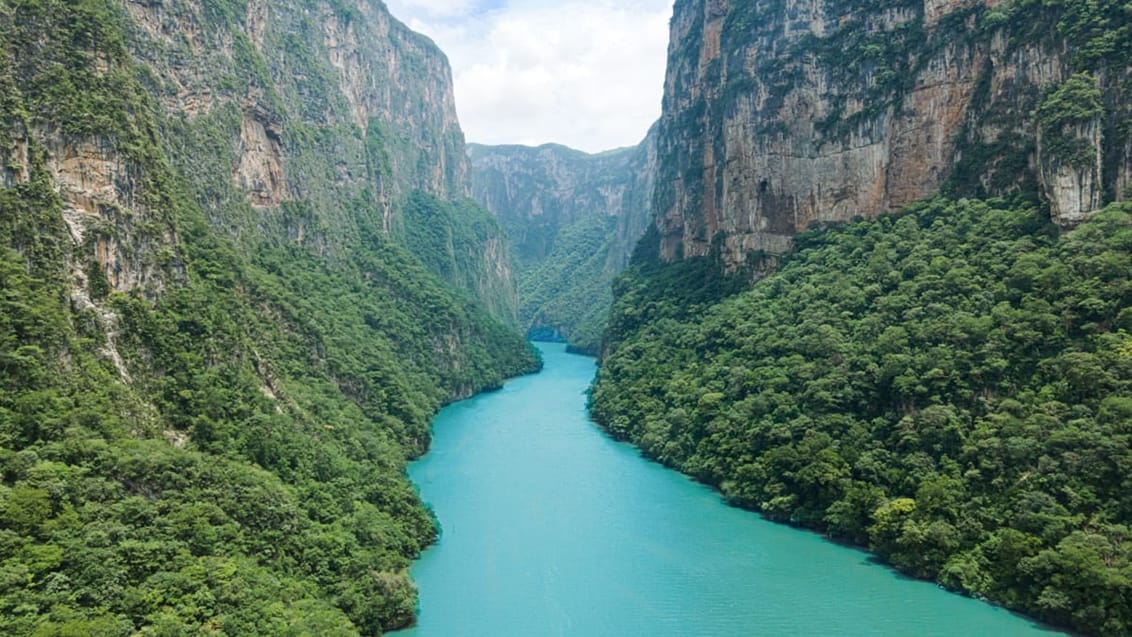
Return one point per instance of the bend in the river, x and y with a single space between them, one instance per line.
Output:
552 528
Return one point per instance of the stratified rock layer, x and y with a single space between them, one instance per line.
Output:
782 114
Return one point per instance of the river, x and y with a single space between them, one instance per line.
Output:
551 528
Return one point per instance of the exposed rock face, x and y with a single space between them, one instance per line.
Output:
573 219
780 115
259 171
369 66
1073 190
389 72
295 123
105 212
319 115
536 192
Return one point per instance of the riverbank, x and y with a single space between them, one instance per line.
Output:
549 527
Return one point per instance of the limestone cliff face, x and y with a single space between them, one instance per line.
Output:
535 192
1074 189
573 219
293 122
782 114
105 212
324 64
297 122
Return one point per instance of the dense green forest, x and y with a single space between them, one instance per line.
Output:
567 293
950 386
221 450
572 220
449 237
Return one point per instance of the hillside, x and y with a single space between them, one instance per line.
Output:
949 386
239 274
886 291
573 219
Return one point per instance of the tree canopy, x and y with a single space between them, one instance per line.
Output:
950 386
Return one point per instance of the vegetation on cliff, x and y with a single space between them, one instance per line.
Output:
950 386
572 219
567 294
221 449
450 237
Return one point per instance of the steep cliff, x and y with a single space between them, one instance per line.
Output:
573 219
320 110
948 384
224 321
780 114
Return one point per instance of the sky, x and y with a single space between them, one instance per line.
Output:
584 73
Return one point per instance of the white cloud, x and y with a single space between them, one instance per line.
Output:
584 73
437 8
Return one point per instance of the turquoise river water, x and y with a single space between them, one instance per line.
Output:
551 528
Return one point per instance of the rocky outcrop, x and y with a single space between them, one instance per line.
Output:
388 72
330 65
259 171
1074 189
328 115
130 244
635 215
781 115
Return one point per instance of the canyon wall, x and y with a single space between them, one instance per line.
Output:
573 220
239 274
780 115
300 123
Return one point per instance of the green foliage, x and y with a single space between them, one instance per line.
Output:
1072 105
951 386
450 238
1099 29
57 62
1096 38
225 11
247 477
571 219
568 293
300 495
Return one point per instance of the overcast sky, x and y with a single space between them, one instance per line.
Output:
585 73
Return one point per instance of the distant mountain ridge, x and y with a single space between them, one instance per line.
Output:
572 219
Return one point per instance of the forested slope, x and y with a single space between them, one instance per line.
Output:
573 219
567 293
950 386
947 385
216 357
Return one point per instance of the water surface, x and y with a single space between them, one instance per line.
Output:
551 528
